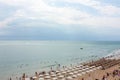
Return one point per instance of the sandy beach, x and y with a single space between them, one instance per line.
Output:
98 74
102 69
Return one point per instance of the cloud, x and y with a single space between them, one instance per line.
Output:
4 33
68 15
42 13
103 8
109 10
11 19
14 2
6 22
101 21
41 10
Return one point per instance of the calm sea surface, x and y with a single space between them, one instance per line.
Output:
17 57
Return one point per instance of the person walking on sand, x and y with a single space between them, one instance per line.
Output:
10 78
104 78
89 77
23 77
82 78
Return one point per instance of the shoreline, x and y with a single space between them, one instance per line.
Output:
84 64
77 72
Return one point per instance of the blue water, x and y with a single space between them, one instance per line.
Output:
17 57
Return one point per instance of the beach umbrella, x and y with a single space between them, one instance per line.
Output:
91 70
53 75
52 72
41 78
76 68
80 65
83 73
79 74
65 69
63 79
91 67
83 69
34 77
74 76
69 78
57 71
88 71
87 68
61 76
61 70
47 74
27 78
55 78
68 71
99 67
64 72
70 68
75 72
41 75
71 73
47 77
94 69
79 70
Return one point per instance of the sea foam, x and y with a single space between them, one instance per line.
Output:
114 55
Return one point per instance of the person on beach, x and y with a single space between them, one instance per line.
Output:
10 78
104 78
89 77
59 66
31 78
82 78
107 74
51 68
36 74
16 78
20 78
23 77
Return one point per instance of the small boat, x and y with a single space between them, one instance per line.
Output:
81 48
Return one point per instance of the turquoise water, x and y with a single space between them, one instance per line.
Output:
17 57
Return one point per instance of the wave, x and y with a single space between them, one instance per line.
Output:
114 55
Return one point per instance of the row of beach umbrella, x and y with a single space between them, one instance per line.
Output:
69 73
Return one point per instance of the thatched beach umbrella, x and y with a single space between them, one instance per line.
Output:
41 78
69 78
47 77
27 78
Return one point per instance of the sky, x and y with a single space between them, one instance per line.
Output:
85 20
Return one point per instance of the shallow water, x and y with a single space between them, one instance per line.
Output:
17 57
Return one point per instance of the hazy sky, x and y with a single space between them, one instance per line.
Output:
60 20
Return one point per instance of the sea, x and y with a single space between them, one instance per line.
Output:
18 57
